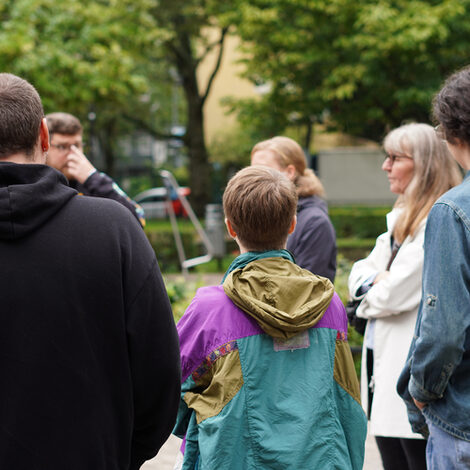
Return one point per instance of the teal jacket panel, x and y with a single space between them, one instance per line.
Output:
251 401
283 417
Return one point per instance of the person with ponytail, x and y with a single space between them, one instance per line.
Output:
313 242
420 169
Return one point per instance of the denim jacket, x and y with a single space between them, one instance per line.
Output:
437 371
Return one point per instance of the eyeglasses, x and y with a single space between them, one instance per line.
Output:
66 147
394 158
440 132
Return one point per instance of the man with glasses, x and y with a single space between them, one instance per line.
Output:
66 155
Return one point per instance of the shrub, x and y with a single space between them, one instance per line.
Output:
161 238
359 221
180 292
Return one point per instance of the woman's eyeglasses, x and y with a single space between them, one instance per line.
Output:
393 158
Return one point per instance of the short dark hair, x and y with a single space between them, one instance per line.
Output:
63 123
451 106
21 114
260 203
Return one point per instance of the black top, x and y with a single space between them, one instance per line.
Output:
313 242
99 184
89 359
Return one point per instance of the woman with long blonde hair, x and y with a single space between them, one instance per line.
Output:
313 242
419 169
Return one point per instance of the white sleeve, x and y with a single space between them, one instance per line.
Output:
401 290
372 265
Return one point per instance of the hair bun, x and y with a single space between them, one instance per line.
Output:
309 184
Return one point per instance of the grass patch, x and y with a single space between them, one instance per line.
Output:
342 243
354 211
215 265
165 225
181 292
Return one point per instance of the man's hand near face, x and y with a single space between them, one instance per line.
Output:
78 165
66 155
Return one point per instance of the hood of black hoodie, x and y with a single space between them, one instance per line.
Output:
30 195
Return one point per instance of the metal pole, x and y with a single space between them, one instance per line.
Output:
170 182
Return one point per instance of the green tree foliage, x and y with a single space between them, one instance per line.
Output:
81 55
118 58
362 66
190 31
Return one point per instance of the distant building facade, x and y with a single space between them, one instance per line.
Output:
354 175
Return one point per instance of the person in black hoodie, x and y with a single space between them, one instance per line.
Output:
89 357
66 155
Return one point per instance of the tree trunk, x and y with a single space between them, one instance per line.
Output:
187 63
308 136
106 140
199 167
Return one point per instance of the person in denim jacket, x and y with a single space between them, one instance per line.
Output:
435 382
419 169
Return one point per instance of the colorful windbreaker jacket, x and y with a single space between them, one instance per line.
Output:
269 381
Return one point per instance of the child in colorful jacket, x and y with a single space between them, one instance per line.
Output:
269 381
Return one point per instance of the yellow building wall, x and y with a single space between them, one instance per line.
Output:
227 83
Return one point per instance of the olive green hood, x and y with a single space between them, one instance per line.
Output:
282 297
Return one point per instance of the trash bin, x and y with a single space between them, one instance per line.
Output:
215 229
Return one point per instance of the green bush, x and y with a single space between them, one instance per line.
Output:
163 242
181 292
353 249
356 227
359 221
160 235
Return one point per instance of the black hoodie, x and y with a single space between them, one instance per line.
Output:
89 361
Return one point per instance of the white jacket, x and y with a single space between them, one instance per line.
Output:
393 303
